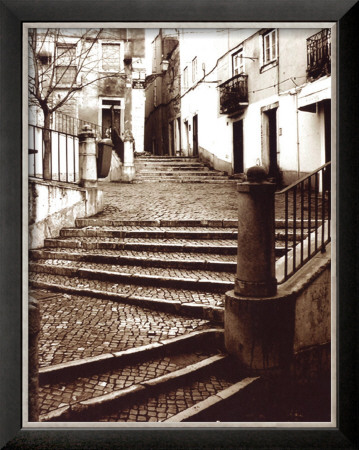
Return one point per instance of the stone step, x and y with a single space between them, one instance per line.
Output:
221 247
194 303
151 276
149 233
64 386
179 223
153 167
174 397
193 180
179 173
149 172
226 263
166 158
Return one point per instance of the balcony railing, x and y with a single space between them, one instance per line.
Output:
319 54
233 94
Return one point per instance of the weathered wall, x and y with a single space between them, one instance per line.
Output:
53 205
267 333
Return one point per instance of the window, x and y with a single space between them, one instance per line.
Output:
194 69
269 47
66 75
66 64
66 54
111 61
238 63
185 77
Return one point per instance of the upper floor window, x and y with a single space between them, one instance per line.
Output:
185 77
194 69
269 46
111 57
66 64
237 63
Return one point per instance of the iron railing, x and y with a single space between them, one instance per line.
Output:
233 94
306 220
64 160
73 126
319 54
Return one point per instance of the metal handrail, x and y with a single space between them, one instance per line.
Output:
63 163
310 216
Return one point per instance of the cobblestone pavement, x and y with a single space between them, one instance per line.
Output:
165 405
53 396
74 327
170 201
181 295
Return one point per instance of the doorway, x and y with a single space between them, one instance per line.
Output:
195 135
111 124
238 166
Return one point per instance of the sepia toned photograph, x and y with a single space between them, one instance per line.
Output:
179 249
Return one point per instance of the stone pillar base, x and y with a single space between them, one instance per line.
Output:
255 288
128 173
259 331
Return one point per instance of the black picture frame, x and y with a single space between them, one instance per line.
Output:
12 14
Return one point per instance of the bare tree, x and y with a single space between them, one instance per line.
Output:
61 61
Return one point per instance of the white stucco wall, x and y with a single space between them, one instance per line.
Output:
55 205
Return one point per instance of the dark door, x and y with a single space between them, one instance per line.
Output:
195 135
272 143
327 141
170 138
238 147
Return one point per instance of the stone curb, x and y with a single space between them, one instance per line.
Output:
73 369
205 312
200 407
95 406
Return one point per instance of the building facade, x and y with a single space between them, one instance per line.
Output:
163 103
255 97
104 71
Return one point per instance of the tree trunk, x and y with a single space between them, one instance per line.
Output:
46 137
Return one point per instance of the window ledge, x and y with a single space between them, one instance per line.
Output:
268 66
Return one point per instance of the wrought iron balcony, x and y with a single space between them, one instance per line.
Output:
319 54
233 94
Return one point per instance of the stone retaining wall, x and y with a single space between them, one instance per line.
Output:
54 205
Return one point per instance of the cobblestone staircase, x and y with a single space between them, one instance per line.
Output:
132 317
176 169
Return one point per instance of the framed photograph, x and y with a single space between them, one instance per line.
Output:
180 278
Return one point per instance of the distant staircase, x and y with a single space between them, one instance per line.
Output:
176 169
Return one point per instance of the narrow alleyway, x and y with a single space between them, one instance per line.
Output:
132 305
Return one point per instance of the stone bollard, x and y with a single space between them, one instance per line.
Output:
128 168
87 157
258 323
33 360
256 246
